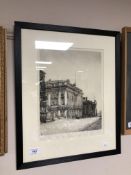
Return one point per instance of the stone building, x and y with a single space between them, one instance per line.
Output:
63 99
43 98
89 108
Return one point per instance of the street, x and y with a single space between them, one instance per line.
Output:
70 125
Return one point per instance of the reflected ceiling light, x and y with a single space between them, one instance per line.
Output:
43 62
80 71
40 67
52 45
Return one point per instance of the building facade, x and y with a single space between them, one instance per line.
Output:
43 98
89 108
62 99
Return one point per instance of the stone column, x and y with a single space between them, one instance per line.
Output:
65 103
65 97
48 99
59 114
65 113
59 98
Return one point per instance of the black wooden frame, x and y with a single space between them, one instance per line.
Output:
18 92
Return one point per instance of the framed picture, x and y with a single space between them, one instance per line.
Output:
67 93
3 116
126 80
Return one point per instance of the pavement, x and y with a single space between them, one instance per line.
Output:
70 125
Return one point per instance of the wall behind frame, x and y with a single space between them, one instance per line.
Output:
102 14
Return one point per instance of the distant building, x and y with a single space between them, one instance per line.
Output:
89 108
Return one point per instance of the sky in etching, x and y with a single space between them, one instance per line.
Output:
82 67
